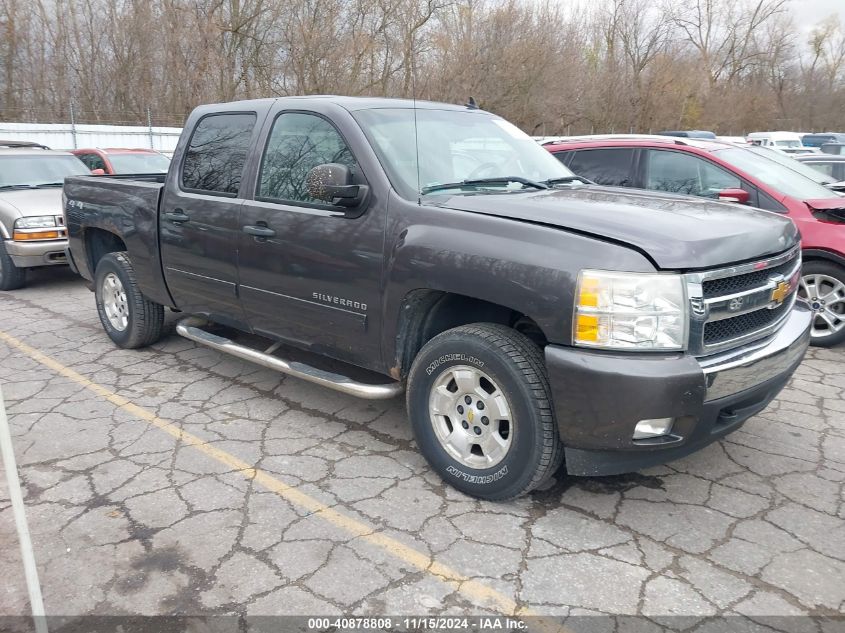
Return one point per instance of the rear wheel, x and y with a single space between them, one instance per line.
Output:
823 288
481 409
128 317
11 277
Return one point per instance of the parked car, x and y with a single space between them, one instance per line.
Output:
830 166
711 169
833 148
32 231
786 142
529 315
124 161
734 140
689 134
817 140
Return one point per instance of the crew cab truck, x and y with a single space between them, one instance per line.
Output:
531 317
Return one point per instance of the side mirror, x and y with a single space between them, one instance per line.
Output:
734 195
332 183
98 172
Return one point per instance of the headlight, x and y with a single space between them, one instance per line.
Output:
642 311
36 222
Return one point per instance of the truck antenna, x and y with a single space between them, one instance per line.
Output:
416 134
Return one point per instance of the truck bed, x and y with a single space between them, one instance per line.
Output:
126 206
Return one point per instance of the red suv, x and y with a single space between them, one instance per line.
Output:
124 161
712 169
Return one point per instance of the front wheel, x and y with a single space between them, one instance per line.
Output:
128 317
11 277
823 288
481 409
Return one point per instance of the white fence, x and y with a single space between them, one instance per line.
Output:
76 136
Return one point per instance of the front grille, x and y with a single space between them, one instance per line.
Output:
741 283
716 332
732 306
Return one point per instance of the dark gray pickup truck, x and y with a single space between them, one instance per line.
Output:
375 245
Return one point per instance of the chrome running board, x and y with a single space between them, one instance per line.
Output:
191 328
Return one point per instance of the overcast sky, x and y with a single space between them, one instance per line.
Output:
808 12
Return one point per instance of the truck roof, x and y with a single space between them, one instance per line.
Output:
354 103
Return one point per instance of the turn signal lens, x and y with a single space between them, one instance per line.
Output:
20 236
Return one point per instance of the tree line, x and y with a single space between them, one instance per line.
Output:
550 66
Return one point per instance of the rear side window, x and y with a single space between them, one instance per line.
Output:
299 142
92 161
215 158
604 166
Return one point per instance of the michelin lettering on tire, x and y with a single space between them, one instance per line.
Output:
477 479
448 358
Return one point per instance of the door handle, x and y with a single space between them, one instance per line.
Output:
259 231
177 215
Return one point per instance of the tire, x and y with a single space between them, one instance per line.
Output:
131 320
523 436
11 277
823 287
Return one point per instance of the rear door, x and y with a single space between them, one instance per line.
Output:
608 166
199 216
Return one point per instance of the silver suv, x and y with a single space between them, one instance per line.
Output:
32 231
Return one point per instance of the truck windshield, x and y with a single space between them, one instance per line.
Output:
455 147
140 163
784 179
25 170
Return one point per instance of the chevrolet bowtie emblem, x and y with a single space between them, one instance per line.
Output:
780 292
470 415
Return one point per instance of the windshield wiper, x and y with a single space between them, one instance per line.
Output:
48 184
498 180
565 180
17 186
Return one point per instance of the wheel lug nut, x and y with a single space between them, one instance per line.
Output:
479 405
465 424
485 420
468 400
477 430
460 409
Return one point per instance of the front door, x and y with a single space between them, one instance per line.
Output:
199 217
314 279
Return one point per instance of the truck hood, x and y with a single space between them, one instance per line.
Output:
29 202
676 232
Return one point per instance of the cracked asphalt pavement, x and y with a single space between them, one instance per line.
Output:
180 480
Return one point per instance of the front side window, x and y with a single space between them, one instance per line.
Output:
604 166
215 158
677 172
299 142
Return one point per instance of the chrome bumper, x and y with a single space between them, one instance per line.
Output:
39 253
751 365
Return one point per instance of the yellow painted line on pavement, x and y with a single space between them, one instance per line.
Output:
469 587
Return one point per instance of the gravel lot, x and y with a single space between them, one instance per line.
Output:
178 480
